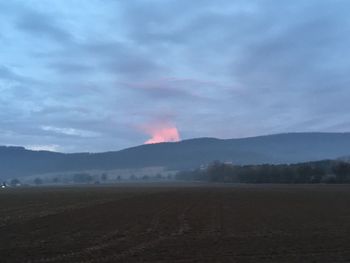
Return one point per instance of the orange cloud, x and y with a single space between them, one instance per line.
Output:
162 134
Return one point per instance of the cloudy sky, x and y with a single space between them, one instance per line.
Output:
97 75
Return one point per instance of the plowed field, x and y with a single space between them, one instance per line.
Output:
244 223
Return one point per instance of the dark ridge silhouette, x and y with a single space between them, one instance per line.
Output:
187 154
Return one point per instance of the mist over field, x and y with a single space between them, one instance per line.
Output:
166 160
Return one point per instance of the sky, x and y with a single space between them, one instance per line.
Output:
97 75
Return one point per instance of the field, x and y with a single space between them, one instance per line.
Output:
180 223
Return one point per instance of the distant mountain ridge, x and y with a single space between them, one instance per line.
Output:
187 154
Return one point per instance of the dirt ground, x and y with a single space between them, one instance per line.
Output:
181 223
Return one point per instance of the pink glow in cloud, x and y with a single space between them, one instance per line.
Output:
161 133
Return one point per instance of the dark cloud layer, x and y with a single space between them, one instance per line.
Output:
86 75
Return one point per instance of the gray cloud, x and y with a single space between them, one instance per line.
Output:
6 73
70 68
211 68
42 25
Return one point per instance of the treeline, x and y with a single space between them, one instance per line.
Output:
85 178
302 173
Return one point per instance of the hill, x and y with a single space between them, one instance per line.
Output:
273 149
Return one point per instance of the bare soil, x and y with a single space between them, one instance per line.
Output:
205 223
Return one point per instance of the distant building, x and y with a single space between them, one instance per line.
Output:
203 166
